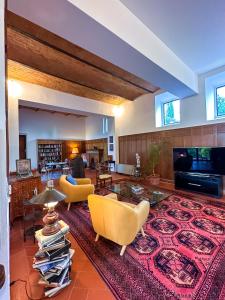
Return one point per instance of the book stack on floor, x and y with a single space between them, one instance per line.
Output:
53 260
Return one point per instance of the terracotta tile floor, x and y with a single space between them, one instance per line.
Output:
86 284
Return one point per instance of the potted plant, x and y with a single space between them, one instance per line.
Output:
153 161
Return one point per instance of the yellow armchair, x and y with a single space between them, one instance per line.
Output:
76 193
117 221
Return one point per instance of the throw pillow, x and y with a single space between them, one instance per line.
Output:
71 180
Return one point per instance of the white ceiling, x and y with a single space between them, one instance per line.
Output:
193 29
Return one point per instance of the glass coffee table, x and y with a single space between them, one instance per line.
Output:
139 192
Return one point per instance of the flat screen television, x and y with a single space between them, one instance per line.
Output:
200 160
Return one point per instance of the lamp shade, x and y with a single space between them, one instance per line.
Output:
75 150
47 196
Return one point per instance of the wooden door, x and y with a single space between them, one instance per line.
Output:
22 146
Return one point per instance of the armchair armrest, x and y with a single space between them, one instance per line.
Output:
83 181
79 192
142 211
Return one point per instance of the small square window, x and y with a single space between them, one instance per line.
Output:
220 101
171 112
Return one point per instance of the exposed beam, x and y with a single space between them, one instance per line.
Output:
52 40
33 46
21 72
36 109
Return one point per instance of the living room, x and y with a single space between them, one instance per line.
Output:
116 85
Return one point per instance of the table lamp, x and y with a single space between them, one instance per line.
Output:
75 150
49 198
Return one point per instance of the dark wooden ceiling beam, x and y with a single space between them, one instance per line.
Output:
21 72
48 38
53 62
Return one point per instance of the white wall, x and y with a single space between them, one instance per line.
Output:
33 94
94 129
44 125
139 116
4 221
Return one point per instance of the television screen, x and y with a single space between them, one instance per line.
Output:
201 160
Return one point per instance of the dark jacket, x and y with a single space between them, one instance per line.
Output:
77 166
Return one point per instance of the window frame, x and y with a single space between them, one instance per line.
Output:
163 112
211 83
215 102
105 125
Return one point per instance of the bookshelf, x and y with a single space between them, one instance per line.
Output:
49 151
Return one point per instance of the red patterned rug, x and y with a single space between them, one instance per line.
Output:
181 257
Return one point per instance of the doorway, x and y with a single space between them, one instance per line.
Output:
23 146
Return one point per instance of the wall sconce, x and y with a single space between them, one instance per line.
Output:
118 111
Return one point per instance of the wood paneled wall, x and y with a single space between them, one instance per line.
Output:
207 135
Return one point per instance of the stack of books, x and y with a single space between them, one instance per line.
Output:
53 260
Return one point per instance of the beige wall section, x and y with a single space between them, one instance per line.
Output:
45 125
33 95
13 130
4 220
139 116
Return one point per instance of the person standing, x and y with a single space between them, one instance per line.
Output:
77 166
